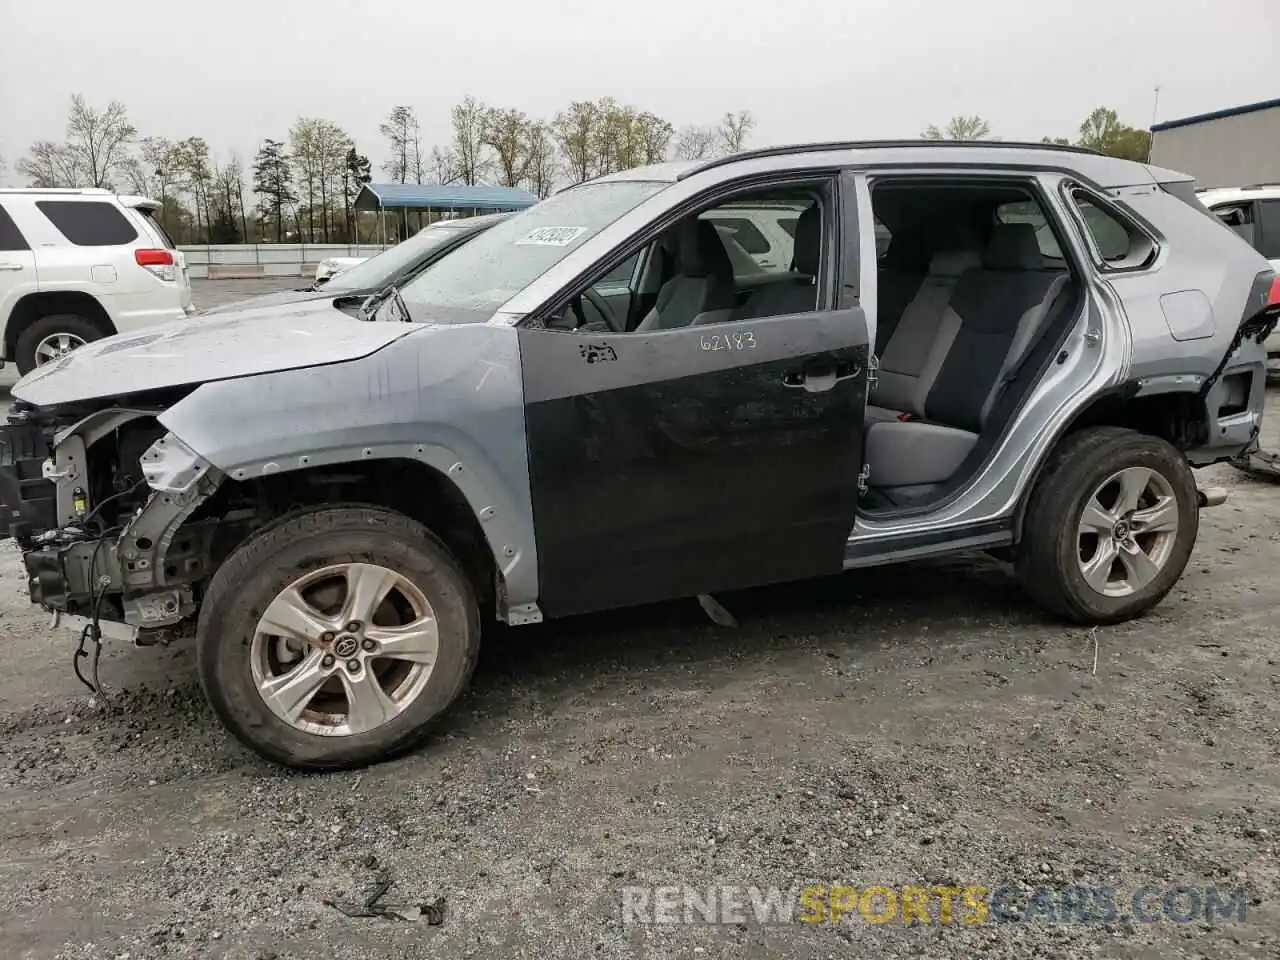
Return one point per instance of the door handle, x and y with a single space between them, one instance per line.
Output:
819 377
11 266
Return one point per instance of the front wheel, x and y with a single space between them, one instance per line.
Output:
332 639
1110 526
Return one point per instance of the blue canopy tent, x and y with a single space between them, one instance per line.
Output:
438 201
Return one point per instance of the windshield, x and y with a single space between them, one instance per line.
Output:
471 283
384 268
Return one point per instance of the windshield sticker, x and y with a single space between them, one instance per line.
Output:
551 236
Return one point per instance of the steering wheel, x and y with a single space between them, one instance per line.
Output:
597 301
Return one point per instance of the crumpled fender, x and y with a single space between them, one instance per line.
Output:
450 397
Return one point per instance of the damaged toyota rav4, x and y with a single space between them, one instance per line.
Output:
600 402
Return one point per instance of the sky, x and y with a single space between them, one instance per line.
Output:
236 72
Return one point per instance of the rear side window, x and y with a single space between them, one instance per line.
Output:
1269 243
158 227
745 232
1119 244
789 224
88 223
11 237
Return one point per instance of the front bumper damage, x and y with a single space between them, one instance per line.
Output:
132 582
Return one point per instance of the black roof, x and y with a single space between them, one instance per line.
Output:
1216 115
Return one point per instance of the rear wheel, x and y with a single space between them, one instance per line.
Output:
1110 527
51 338
332 639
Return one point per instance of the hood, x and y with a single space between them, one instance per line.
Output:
237 344
280 299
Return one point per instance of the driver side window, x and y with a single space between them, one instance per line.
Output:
697 273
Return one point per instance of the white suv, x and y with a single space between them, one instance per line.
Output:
1254 213
79 265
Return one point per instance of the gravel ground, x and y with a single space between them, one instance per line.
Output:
846 733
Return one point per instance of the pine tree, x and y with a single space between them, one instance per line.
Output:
273 183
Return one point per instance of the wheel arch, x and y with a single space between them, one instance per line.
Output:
1179 416
408 485
33 306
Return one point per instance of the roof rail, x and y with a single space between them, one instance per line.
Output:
784 149
95 191
1259 186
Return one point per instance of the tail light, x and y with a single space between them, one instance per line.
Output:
159 263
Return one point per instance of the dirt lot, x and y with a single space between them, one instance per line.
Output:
914 725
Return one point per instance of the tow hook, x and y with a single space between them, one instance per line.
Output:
1211 496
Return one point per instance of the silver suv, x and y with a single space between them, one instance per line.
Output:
585 408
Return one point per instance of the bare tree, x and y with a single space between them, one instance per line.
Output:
735 129
468 139
960 128
540 171
653 137
695 142
49 164
193 171
308 167
507 133
98 140
417 160
332 144
576 132
228 224
442 166
403 137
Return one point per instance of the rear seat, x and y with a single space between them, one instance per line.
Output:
990 319
913 354
902 272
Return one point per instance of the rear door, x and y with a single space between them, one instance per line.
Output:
674 462
17 268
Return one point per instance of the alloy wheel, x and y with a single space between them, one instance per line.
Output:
344 649
1127 531
55 347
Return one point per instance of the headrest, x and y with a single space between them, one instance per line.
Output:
807 256
952 263
1013 246
908 251
699 251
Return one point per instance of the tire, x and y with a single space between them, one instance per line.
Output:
70 324
305 545
1049 563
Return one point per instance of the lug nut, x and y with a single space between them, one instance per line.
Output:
327 661
354 626
368 644
326 637
353 666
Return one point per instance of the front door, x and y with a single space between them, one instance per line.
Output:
676 462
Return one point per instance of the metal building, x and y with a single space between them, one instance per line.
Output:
1226 148
431 202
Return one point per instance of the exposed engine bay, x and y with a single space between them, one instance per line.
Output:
106 515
